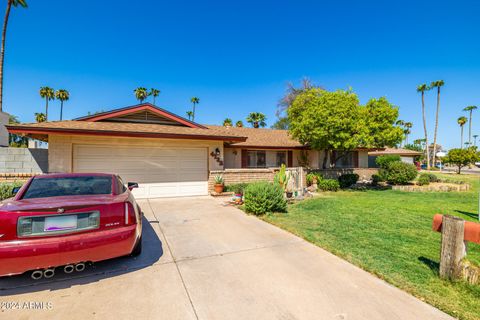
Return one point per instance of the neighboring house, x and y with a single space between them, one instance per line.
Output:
169 155
406 155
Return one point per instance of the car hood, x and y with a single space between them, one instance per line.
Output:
53 203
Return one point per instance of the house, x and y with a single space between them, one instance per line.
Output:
169 155
406 155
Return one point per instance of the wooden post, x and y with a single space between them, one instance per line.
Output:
453 247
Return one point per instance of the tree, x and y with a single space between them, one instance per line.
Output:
330 121
436 84
227 122
15 140
470 109
475 136
422 88
10 3
281 124
239 124
461 121
62 95
257 119
408 126
40 117
194 101
189 115
141 94
48 94
461 157
291 93
154 93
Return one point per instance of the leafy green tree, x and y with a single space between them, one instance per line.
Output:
436 84
239 124
461 157
48 94
257 119
189 115
281 123
408 129
141 94
330 121
461 122
62 95
194 101
10 3
227 122
470 109
422 88
475 136
154 93
40 117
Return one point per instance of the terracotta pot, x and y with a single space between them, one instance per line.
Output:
218 188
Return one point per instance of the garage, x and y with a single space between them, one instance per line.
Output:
160 172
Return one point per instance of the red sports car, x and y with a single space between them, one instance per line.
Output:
68 220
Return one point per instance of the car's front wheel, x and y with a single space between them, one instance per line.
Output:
137 250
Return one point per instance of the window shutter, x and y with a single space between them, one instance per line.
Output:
289 158
244 158
355 159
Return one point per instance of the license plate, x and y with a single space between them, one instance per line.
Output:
60 223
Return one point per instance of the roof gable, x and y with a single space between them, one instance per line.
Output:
141 113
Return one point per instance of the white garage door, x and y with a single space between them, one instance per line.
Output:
160 172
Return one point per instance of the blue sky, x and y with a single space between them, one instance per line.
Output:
238 56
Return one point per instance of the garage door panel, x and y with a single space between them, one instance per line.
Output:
160 172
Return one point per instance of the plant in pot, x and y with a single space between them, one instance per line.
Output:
218 187
238 190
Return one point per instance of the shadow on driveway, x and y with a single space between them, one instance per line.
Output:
151 252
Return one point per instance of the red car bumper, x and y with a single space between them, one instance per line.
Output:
19 256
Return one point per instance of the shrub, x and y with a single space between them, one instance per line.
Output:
384 162
431 177
376 178
237 188
6 189
423 180
401 172
264 197
328 185
312 176
347 180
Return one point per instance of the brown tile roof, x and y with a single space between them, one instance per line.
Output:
124 129
268 138
394 151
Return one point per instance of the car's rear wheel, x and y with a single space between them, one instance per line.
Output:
137 250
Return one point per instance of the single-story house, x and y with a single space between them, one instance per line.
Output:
169 155
406 155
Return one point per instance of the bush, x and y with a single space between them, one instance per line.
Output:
384 162
6 189
313 176
401 173
237 188
328 185
264 197
376 178
431 177
347 180
423 180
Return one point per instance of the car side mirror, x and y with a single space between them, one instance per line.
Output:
15 190
132 185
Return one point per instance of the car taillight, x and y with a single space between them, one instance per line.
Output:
129 214
25 227
94 220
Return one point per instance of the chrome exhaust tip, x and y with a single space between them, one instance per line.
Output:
79 267
48 273
37 275
69 268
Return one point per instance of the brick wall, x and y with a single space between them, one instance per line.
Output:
364 173
11 177
23 160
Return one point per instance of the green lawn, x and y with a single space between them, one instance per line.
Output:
388 233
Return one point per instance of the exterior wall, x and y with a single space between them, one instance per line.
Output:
363 159
23 160
15 177
61 148
407 159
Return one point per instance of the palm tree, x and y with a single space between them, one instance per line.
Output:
189 115
10 3
475 136
40 117
227 122
195 101
154 93
436 84
422 88
461 121
407 131
141 94
48 94
257 119
470 109
239 124
62 95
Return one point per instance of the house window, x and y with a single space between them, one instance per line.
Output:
345 159
281 158
256 159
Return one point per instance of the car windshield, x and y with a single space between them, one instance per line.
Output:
68 186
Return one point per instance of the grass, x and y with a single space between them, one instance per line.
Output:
389 233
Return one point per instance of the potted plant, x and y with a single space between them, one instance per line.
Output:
218 187
238 191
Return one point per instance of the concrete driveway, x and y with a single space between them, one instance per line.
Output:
204 260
